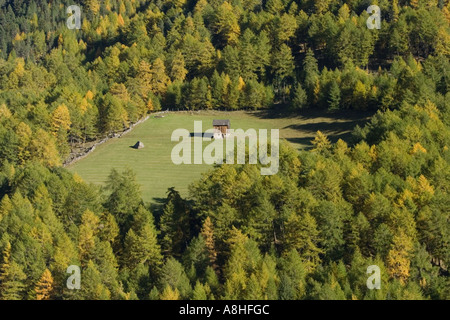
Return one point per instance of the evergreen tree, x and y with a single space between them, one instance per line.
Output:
174 224
334 96
299 99
141 245
311 75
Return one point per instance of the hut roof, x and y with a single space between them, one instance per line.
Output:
221 123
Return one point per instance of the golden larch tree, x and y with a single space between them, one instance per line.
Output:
207 233
60 119
44 288
398 259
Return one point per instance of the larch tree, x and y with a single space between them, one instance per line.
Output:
24 134
88 236
11 277
321 6
159 79
144 75
282 62
170 294
207 233
321 143
141 244
398 258
235 271
226 25
43 149
44 288
301 234
178 70
247 55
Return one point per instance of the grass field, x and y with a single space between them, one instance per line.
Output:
153 166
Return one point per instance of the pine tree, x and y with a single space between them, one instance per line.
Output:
300 99
125 197
311 74
174 224
395 10
174 276
235 271
141 245
334 96
292 276
119 91
43 149
60 126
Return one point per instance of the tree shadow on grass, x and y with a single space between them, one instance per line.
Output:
337 127
330 127
311 114
306 142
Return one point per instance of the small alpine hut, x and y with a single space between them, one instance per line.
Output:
221 129
138 145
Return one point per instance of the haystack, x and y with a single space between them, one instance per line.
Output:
138 145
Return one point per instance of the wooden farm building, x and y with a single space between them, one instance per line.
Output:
221 128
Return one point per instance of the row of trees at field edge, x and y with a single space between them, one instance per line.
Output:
308 232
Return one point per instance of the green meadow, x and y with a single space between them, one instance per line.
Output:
153 165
